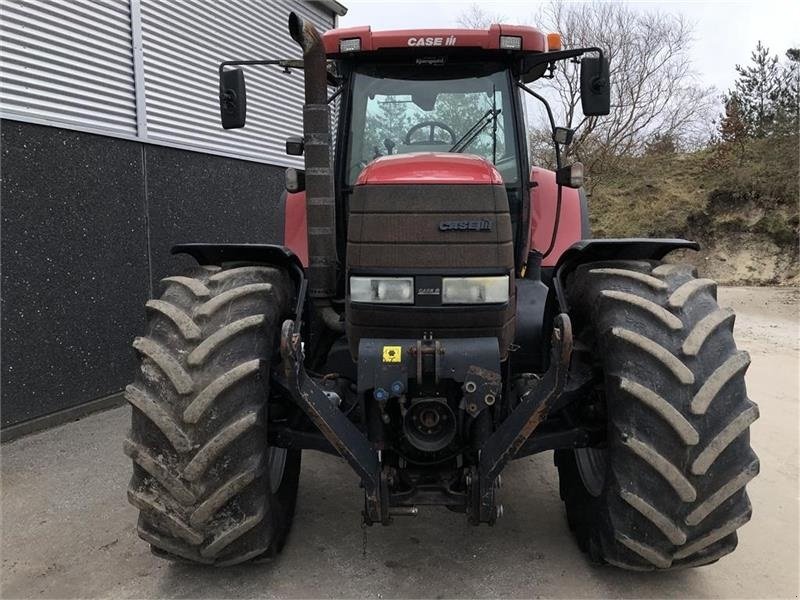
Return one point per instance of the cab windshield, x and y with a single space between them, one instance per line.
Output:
404 113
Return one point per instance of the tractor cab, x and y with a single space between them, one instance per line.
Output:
442 91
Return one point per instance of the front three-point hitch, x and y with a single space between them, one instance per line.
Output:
477 497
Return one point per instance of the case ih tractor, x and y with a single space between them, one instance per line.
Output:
438 309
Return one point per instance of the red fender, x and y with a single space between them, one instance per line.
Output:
295 226
573 224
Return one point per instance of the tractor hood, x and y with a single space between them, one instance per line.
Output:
426 217
430 167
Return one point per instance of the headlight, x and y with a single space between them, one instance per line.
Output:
474 290
387 290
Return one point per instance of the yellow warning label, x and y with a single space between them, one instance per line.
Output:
392 354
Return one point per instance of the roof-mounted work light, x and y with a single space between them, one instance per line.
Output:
510 42
350 45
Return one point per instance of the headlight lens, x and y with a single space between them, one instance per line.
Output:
475 290
385 290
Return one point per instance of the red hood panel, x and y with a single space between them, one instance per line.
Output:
430 167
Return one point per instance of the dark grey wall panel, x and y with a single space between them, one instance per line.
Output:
87 221
194 197
74 266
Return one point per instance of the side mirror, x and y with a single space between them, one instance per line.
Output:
232 99
595 87
295 145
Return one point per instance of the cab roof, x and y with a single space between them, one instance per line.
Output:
341 42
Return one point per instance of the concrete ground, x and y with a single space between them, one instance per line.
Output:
68 532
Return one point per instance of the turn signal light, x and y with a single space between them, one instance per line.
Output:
295 180
553 41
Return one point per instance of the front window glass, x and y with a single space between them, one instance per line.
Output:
398 115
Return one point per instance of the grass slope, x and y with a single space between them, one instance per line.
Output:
740 203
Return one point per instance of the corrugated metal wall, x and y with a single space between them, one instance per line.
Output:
78 64
68 63
183 44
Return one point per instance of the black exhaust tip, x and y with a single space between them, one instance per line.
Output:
296 28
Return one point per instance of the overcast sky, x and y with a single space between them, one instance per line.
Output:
725 32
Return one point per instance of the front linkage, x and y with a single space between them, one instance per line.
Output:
481 480
340 432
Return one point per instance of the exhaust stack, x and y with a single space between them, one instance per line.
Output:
320 206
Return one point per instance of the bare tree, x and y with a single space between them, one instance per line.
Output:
654 90
475 17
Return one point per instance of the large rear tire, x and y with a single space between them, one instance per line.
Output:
668 489
208 487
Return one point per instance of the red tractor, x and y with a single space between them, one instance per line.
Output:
438 309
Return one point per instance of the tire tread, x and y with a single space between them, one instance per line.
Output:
679 453
197 441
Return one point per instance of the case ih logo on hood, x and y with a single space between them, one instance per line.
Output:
432 41
479 225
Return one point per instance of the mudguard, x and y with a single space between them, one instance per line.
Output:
622 249
270 254
612 249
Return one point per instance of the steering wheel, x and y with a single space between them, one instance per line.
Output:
431 137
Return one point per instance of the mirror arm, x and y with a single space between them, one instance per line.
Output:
286 63
534 60
543 100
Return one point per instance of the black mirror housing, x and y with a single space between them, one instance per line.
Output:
595 86
295 145
232 99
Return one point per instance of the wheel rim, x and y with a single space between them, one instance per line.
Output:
592 469
277 463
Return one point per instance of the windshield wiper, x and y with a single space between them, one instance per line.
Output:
488 117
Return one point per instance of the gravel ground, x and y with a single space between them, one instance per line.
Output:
67 531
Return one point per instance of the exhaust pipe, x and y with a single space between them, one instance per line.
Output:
320 207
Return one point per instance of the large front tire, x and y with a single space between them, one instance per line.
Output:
668 489
208 487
